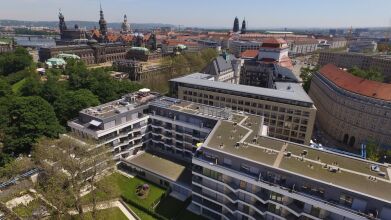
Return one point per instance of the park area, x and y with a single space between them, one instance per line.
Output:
147 200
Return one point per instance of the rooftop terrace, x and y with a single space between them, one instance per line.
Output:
126 103
240 137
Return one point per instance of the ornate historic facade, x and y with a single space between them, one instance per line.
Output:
89 53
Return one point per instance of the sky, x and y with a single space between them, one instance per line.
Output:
210 13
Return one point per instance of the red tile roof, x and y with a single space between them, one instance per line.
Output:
249 53
273 41
356 84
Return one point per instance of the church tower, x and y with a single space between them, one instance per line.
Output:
125 26
61 25
236 25
102 24
243 30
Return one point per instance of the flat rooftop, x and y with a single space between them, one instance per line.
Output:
173 171
240 137
192 107
126 103
295 93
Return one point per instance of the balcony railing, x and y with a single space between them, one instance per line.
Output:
285 187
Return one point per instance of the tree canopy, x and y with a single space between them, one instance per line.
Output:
68 105
29 119
371 74
12 62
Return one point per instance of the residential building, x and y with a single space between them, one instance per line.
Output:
121 124
240 174
229 166
352 110
381 63
288 110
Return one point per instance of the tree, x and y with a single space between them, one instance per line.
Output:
29 119
31 87
371 74
373 150
306 74
52 89
68 105
74 166
5 88
15 61
208 54
15 167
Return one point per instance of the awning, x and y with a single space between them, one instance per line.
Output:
95 123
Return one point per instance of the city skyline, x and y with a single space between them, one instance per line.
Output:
300 14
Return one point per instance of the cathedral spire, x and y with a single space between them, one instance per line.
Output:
236 25
243 30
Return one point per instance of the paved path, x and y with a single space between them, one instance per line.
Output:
280 155
107 205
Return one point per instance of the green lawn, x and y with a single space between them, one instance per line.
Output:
140 213
111 213
126 187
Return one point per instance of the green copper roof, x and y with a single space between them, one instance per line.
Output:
140 48
66 56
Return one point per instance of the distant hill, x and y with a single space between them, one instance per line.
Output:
82 24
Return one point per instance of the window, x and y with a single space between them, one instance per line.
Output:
276 197
243 184
346 200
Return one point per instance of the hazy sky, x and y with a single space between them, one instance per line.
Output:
210 13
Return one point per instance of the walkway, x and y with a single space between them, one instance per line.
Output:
107 205
280 155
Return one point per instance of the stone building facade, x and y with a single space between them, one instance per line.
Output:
90 54
139 71
350 109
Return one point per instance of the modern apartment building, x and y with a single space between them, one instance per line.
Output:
225 160
352 110
288 110
240 174
381 63
121 124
